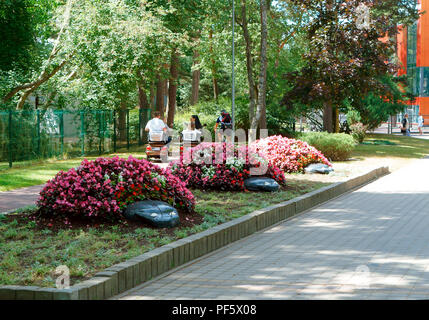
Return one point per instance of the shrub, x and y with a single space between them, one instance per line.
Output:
335 146
359 131
201 167
104 187
289 155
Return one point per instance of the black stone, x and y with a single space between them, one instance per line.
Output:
318 168
157 213
261 184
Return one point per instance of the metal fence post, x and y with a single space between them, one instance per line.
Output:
38 132
140 127
62 132
114 131
100 129
10 139
128 129
82 132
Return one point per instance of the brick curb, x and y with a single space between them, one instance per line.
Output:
131 273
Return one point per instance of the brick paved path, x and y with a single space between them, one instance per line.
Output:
369 244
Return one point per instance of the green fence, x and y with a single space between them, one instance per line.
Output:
40 134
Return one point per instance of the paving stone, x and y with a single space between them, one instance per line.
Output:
382 226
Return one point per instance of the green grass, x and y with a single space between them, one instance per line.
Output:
403 147
29 255
21 176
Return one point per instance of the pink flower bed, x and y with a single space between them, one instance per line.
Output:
104 187
221 167
289 155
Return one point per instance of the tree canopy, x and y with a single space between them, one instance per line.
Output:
292 57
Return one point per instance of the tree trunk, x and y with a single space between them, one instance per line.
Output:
327 117
196 75
172 90
143 104
263 120
261 106
214 71
152 97
337 120
249 62
160 95
143 100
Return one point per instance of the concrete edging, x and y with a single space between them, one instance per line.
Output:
131 273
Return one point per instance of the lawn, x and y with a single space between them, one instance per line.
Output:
30 252
21 176
403 147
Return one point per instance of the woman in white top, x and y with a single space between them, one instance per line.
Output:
420 124
193 133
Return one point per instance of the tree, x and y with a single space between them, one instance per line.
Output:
376 109
25 18
262 95
344 61
196 76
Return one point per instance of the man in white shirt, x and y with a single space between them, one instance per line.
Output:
157 125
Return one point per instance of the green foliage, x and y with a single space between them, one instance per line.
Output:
345 62
335 146
376 109
209 111
24 25
353 117
358 131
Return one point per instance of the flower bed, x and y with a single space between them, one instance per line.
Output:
289 155
106 186
222 167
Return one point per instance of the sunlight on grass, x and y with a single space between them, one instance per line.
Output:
406 147
39 173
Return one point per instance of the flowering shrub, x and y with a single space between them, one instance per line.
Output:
106 186
289 155
222 167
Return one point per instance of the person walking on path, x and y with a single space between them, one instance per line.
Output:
405 128
225 123
421 122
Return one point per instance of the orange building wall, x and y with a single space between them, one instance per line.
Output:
423 51
402 49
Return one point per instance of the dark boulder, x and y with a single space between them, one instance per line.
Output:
318 168
261 184
157 213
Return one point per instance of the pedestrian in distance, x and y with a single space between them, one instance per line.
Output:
225 124
420 123
405 126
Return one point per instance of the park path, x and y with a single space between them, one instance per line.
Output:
372 243
19 198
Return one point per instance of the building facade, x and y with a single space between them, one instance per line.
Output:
413 52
